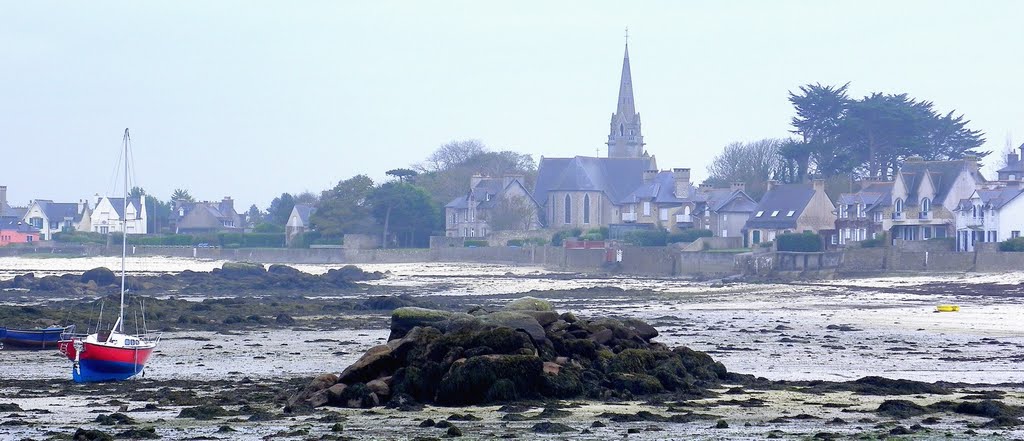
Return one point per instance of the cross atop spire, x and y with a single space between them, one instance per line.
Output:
627 37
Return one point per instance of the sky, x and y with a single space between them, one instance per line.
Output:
250 99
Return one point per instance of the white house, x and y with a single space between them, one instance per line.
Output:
107 216
990 215
53 217
298 222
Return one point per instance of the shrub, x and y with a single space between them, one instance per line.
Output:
689 235
560 236
803 242
648 238
79 237
1015 244
475 243
880 241
526 242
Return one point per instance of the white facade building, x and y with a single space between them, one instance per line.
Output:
106 217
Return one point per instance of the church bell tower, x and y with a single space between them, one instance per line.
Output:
625 139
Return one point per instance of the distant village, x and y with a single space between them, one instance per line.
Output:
620 196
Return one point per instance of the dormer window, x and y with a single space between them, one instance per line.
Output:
899 205
775 213
759 214
790 214
926 205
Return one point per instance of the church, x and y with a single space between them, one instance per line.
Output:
591 192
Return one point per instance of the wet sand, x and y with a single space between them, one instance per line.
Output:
835 330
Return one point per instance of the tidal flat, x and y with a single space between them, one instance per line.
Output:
217 377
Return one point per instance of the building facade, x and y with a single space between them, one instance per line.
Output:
50 217
925 195
790 208
109 212
492 204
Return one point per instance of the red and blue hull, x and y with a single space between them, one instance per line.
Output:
30 339
105 363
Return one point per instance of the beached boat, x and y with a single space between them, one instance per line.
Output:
111 355
947 308
32 339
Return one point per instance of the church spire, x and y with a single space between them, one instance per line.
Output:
625 139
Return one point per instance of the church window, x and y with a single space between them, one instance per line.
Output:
621 130
586 209
568 209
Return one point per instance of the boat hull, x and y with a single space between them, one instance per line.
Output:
30 339
98 362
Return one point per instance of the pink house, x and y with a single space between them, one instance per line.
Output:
16 231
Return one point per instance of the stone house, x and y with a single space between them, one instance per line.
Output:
859 215
109 212
298 222
206 217
790 208
492 204
53 217
666 199
724 211
925 195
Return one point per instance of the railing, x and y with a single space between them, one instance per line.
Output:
972 221
898 216
683 218
924 215
629 217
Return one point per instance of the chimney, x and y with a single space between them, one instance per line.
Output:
1012 158
770 185
737 186
818 184
681 179
227 206
475 180
3 197
649 176
971 162
509 178
81 206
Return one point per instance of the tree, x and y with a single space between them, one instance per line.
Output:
158 214
511 213
280 209
446 173
452 154
344 208
404 210
254 215
180 194
819 118
753 163
136 192
306 197
403 174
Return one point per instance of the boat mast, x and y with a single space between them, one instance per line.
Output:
124 231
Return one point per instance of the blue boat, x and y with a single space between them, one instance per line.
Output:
33 339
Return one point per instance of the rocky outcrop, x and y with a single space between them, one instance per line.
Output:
524 351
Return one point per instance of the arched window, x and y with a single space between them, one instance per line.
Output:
586 209
899 205
622 130
568 209
686 210
926 205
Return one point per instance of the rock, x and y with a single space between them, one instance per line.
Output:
101 276
901 409
454 431
237 270
721 424
551 368
544 318
490 378
335 394
549 427
139 433
529 304
285 271
404 319
203 412
375 363
644 330
387 303
114 419
428 423
379 387
284 319
517 321
90 435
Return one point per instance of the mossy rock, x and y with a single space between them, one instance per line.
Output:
516 320
471 381
637 384
565 384
241 269
102 276
498 340
404 319
635 361
529 304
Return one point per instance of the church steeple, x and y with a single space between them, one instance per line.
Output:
625 139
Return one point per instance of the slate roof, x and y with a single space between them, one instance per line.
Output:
995 198
16 212
660 190
1016 167
616 177
59 211
942 173
485 193
118 204
874 195
782 198
304 211
15 224
718 198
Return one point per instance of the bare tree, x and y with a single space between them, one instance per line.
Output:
512 213
752 163
452 154
1000 159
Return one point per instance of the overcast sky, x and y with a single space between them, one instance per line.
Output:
251 99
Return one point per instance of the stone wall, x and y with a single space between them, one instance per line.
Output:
999 262
652 261
361 241
704 263
714 243
925 245
447 242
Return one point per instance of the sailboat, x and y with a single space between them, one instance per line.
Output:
111 355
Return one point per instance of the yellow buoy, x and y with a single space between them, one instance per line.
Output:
947 308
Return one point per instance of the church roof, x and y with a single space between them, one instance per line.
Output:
615 177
